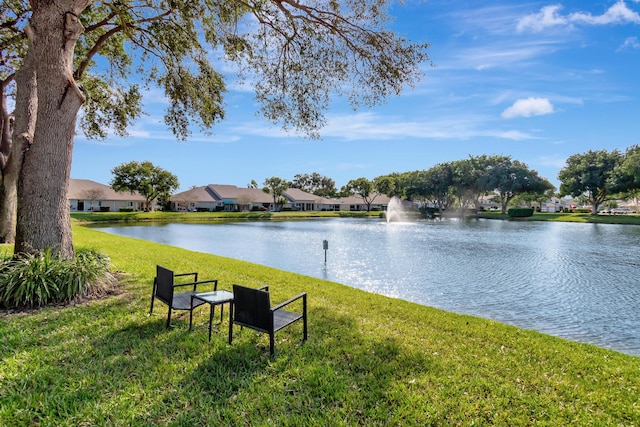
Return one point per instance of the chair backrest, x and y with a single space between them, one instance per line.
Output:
164 284
251 307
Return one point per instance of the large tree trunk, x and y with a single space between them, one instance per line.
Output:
25 115
43 209
6 127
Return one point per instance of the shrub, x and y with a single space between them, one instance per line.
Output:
36 280
105 208
428 211
520 212
127 209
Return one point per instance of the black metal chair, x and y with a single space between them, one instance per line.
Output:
164 289
252 308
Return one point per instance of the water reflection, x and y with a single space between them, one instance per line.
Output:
576 281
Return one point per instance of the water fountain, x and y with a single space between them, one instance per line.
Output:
395 211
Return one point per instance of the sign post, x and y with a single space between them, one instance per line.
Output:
325 246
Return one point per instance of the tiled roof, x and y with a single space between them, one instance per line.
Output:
220 192
380 199
84 189
198 194
231 192
295 194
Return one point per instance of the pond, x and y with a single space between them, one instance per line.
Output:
577 281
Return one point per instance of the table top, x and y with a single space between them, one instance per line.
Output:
215 297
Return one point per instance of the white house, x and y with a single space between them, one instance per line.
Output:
85 195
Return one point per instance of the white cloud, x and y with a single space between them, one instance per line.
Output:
369 126
528 107
619 13
515 135
550 16
547 17
630 43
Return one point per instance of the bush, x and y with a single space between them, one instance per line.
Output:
36 280
520 212
428 211
105 208
127 209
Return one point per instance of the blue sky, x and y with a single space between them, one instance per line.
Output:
538 81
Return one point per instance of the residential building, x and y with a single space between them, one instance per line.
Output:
229 198
85 195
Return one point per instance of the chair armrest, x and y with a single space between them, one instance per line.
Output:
194 274
289 301
194 284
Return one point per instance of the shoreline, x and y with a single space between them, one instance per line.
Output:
162 216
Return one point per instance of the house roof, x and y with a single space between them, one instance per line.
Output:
84 189
231 192
298 195
222 193
198 194
380 199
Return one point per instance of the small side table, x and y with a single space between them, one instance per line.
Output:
212 298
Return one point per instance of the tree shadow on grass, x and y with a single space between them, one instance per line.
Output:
110 364
338 374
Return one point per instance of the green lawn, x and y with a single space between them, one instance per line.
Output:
370 360
570 217
83 217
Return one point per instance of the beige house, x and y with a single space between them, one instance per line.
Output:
217 197
229 198
355 203
85 195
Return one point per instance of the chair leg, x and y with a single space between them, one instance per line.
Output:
211 310
304 328
151 309
168 317
304 317
271 342
153 296
230 323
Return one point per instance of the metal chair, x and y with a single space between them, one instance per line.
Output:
164 290
252 308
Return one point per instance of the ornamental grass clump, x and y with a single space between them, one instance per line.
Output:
37 280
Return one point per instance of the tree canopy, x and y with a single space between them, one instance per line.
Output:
295 57
362 188
276 187
594 174
150 181
463 182
315 183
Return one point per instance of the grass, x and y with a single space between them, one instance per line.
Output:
85 217
370 360
570 217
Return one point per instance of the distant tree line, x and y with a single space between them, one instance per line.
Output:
456 184
594 178
599 177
